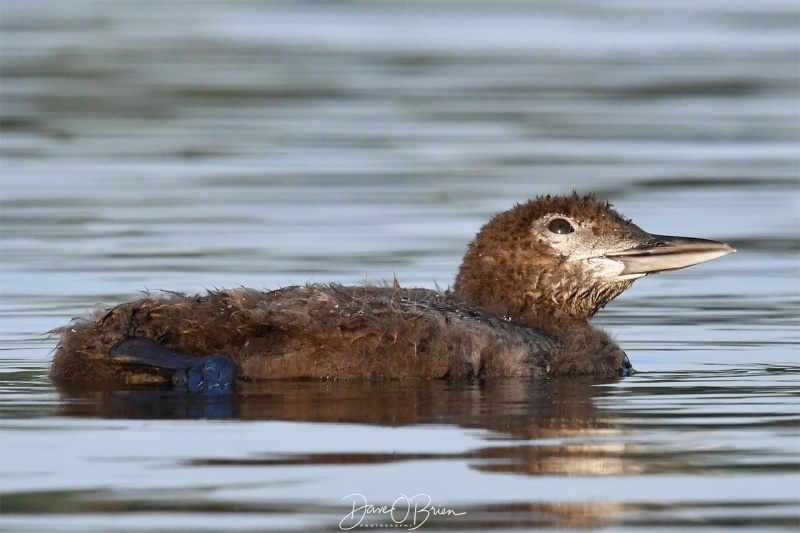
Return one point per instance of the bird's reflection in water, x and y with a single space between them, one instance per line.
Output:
544 428
519 415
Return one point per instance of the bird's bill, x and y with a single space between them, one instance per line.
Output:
664 253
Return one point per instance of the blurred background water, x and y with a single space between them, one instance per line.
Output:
192 145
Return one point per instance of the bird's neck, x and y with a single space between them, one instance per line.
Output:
547 297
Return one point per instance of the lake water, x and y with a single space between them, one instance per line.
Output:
191 145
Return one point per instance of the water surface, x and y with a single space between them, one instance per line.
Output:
189 146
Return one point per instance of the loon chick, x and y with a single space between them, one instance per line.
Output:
519 307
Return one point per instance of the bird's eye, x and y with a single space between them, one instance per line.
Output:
560 226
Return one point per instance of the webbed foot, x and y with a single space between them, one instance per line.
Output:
627 368
212 374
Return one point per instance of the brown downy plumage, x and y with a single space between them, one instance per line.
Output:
519 307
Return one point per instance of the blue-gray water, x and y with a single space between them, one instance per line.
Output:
192 145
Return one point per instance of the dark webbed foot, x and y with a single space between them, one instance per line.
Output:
627 367
213 374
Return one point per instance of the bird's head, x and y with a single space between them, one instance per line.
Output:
566 256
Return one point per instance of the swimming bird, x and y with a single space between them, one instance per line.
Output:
519 306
